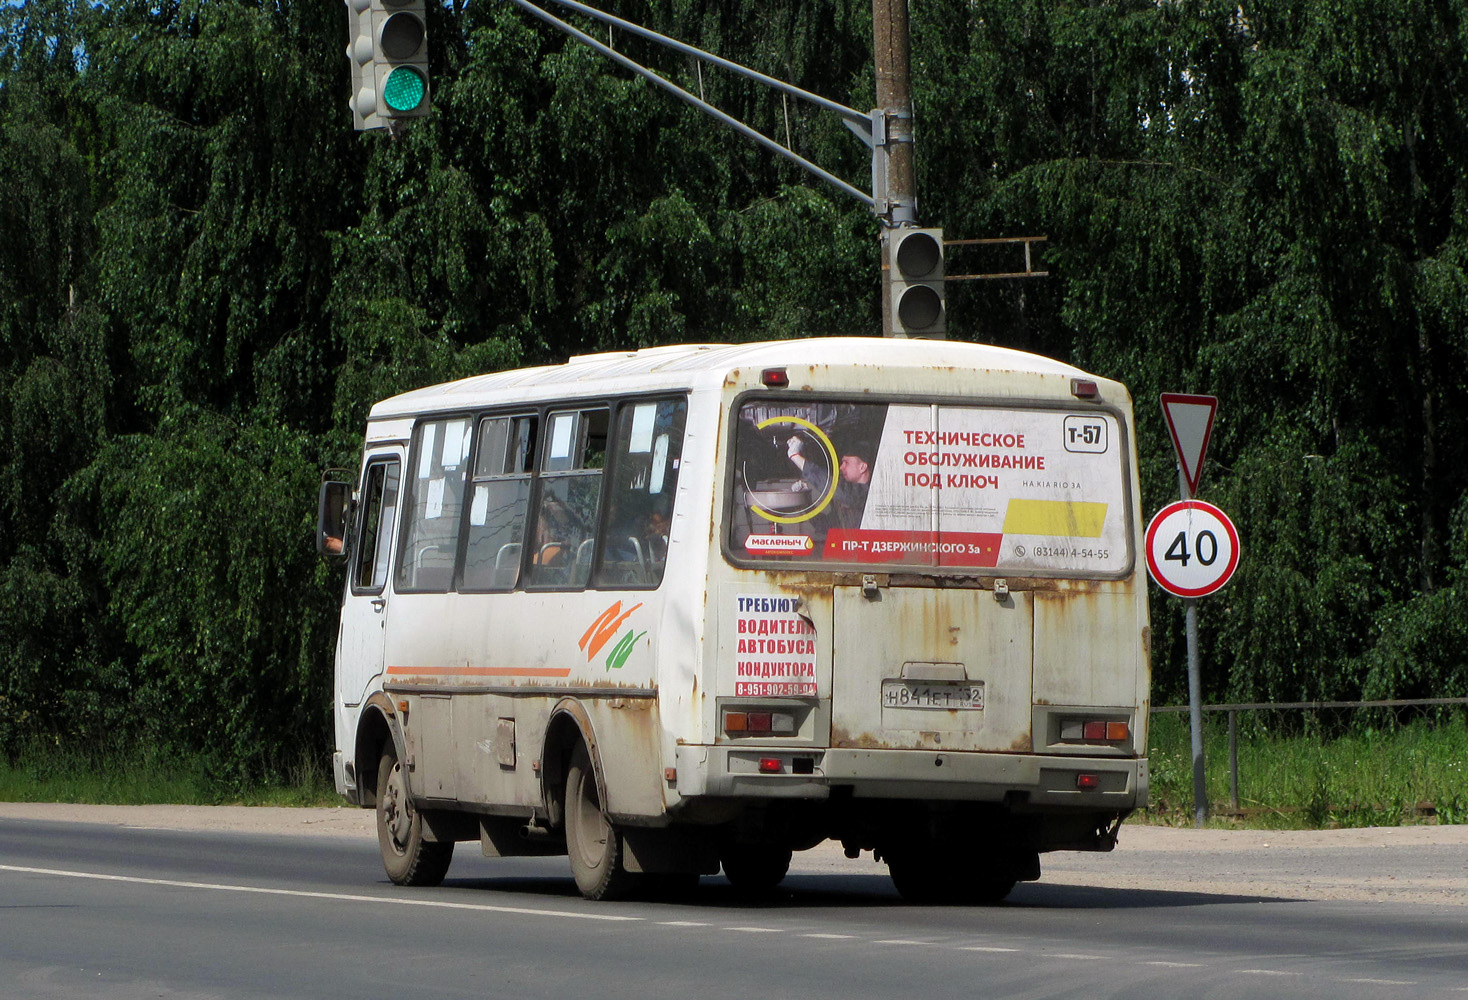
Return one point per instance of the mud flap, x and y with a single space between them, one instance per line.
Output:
667 852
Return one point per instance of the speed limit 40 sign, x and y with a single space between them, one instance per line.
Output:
1192 548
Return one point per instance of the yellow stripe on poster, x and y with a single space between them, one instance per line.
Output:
1054 517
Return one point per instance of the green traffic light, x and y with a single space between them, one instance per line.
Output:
404 89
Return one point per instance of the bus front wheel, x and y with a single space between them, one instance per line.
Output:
408 858
592 841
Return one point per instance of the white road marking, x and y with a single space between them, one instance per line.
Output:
574 915
337 896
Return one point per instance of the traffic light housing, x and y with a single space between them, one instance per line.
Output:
387 43
916 278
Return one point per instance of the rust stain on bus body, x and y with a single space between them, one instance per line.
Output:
859 741
866 741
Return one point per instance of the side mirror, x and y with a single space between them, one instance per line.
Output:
333 507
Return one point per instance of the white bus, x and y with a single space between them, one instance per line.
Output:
694 607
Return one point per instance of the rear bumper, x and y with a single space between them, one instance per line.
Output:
1019 780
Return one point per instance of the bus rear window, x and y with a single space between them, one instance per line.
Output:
994 489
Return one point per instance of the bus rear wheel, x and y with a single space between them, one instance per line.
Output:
929 878
755 869
408 858
592 841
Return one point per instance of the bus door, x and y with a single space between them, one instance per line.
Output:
365 607
924 668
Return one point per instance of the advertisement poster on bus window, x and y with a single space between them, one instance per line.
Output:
1012 490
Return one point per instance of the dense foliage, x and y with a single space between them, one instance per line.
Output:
206 277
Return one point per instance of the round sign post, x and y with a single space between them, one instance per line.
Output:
1192 548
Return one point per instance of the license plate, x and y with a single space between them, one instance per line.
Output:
961 695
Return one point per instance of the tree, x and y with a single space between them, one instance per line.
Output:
206 278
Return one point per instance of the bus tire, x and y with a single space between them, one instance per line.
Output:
593 842
755 868
986 892
408 858
927 879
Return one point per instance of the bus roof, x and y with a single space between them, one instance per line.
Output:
691 366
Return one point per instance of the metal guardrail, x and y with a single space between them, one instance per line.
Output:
1269 705
1233 721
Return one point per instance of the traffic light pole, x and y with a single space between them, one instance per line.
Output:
897 205
894 187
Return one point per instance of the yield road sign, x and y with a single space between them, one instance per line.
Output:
1190 422
1192 548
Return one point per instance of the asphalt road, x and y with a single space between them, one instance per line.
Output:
90 910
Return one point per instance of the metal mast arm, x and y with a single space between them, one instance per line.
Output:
698 102
709 57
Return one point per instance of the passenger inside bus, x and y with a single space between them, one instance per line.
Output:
557 532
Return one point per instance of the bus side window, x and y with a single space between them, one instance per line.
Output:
435 495
574 453
498 502
374 536
645 459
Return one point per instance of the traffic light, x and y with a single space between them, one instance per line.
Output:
916 277
387 42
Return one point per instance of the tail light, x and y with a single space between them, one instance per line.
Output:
744 723
1094 731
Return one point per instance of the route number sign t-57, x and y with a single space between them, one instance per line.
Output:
1192 548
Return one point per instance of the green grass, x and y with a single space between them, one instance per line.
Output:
1375 777
147 776
1378 777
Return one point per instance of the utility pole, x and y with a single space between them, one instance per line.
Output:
894 188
